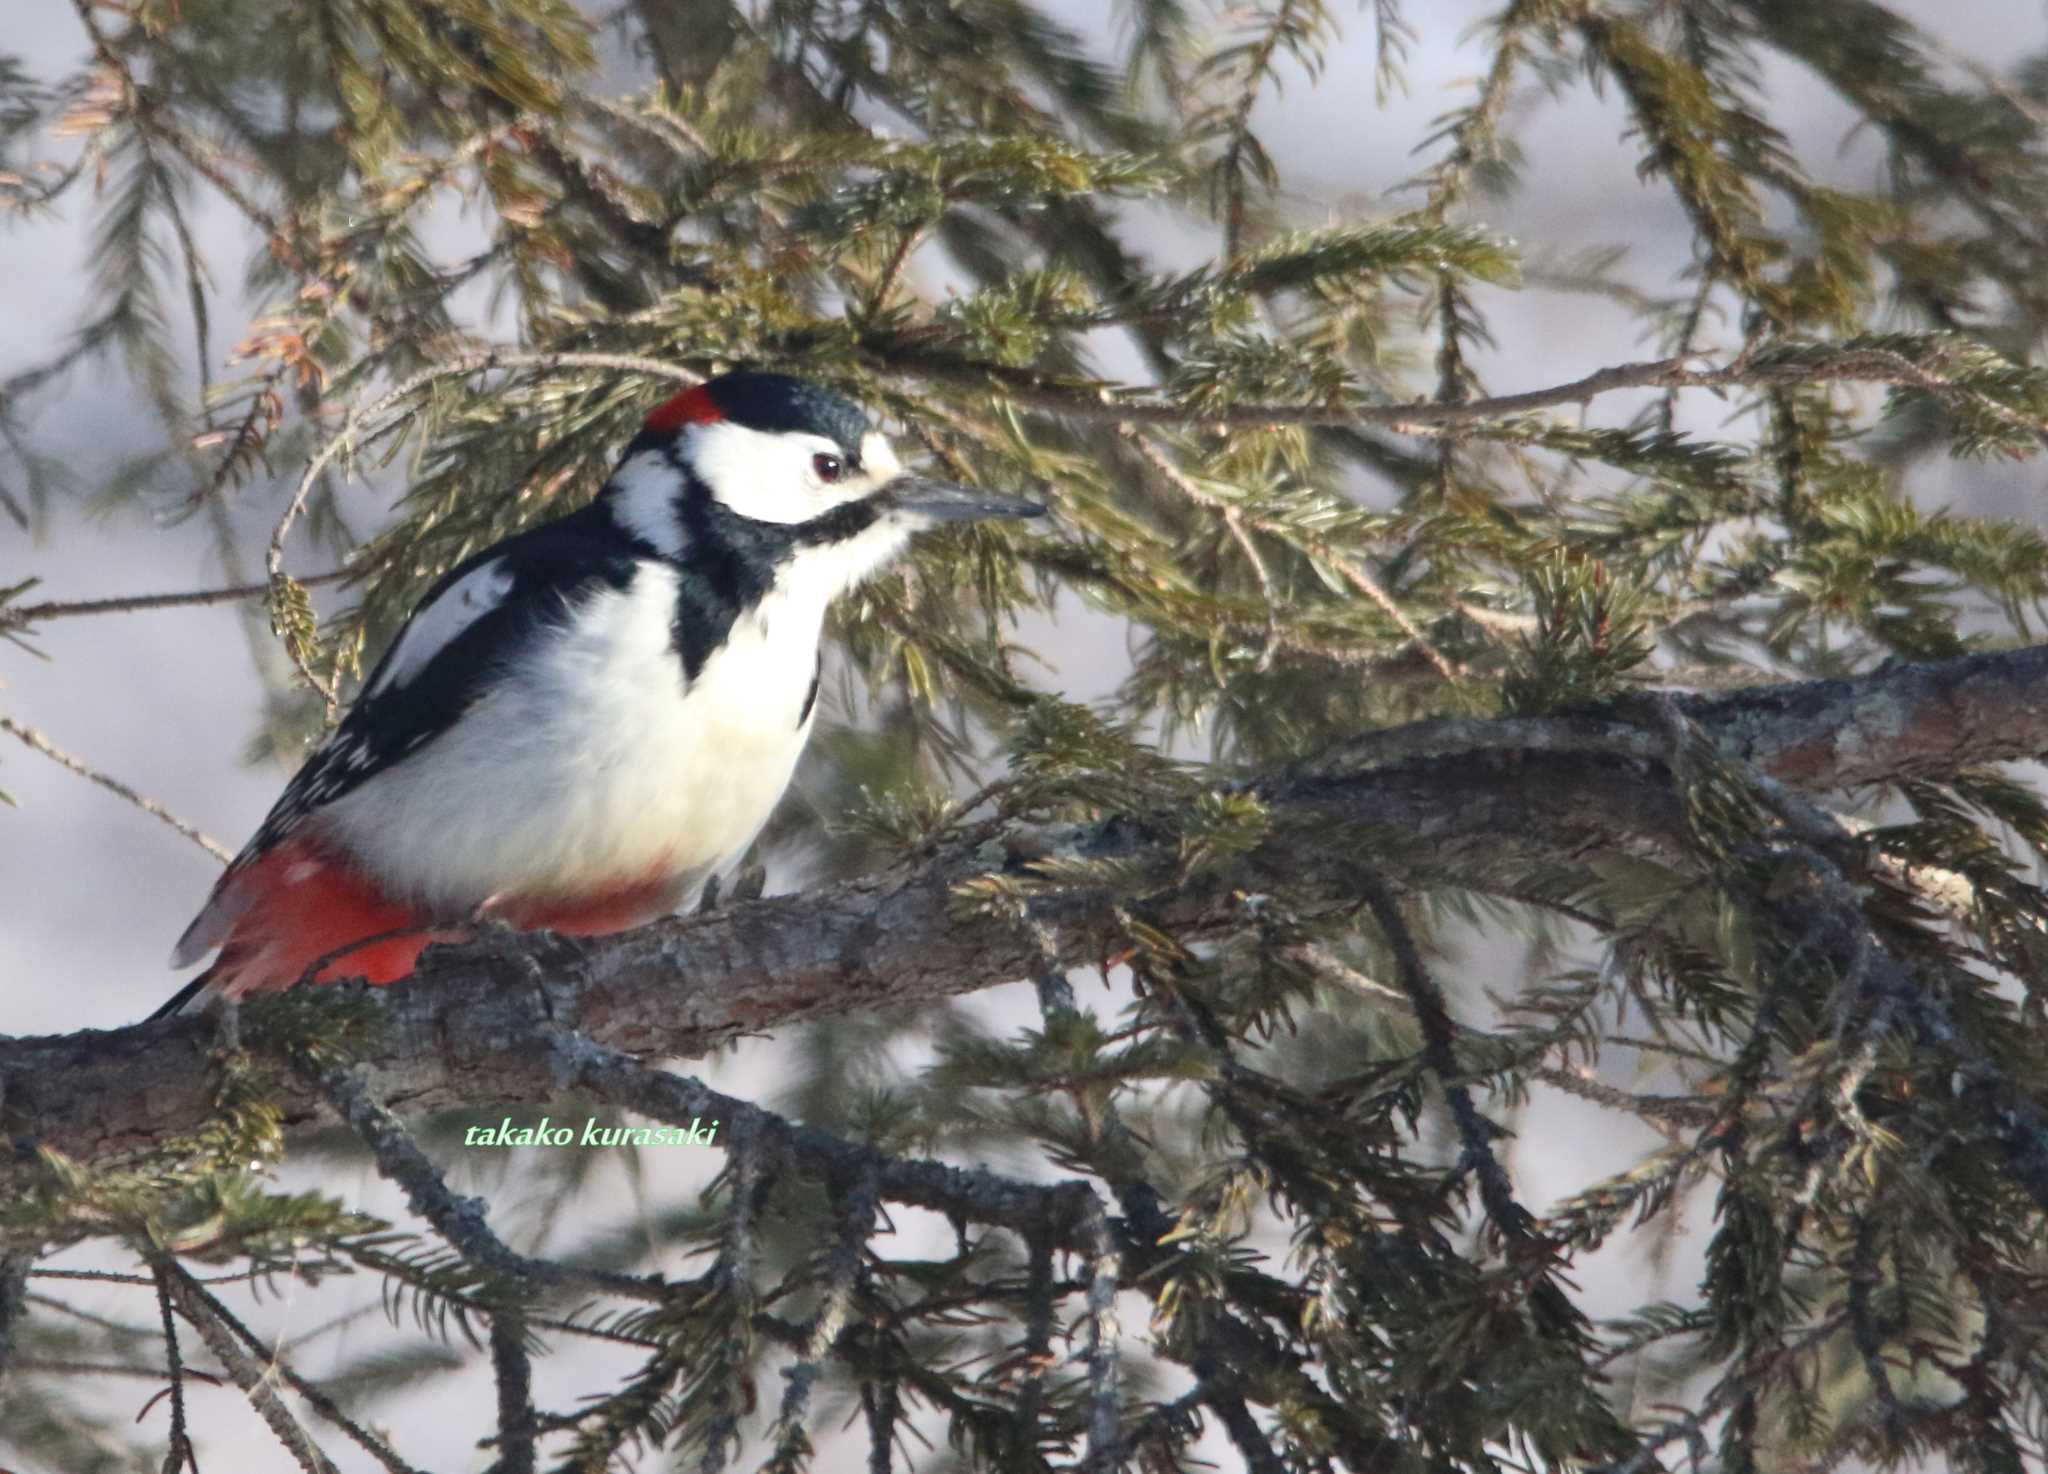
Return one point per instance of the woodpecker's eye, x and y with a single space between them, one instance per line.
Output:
827 466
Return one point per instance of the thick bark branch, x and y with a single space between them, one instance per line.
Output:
1502 806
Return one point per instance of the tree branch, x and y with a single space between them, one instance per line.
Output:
35 740
21 616
14 1270
513 1370
1835 365
1486 805
458 1220
180 1453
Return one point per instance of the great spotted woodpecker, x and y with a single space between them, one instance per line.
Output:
581 724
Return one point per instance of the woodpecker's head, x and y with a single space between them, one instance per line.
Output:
779 467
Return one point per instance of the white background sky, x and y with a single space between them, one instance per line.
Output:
92 893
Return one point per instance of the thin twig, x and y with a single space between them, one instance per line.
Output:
1114 402
1238 1422
1692 1426
36 740
1327 965
1232 166
1233 523
858 1204
245 438
114 1277
68 1367
1664 1110
513 1370
147 118
972 1195
15 1267
314 1398
886 282
1364 582
1100 1354
212 1321
1039 1298
1864 1275
882 1405
28 614
180 1452
104 1322
1111 1138
458 1220
732 1274
1439 1033
1234 518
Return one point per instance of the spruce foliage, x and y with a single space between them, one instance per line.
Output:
1254 1185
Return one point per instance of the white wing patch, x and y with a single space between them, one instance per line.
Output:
432 628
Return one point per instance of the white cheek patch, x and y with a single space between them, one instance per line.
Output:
643 495
433 628
766 477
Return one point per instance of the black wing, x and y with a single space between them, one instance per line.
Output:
442 661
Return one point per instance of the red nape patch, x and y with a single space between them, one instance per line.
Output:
691 407
305 904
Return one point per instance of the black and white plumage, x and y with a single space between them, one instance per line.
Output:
580 725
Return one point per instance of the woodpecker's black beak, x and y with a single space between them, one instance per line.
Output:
942 501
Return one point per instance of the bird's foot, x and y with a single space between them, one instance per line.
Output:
747 885
523 950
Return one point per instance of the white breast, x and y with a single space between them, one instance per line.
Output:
590 766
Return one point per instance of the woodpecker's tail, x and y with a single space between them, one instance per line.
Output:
183 996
